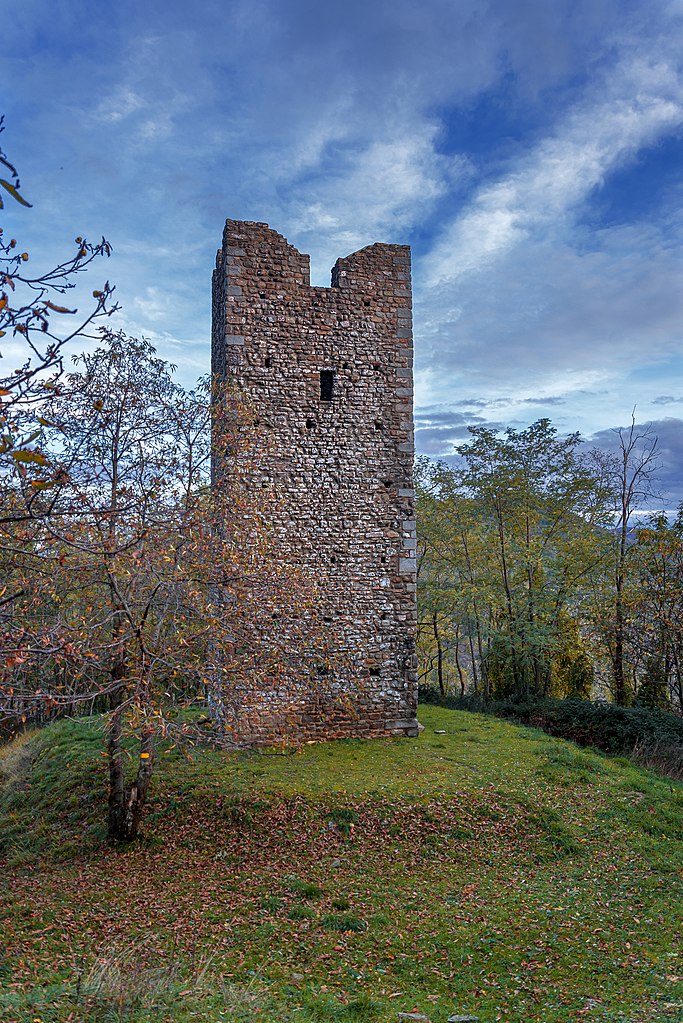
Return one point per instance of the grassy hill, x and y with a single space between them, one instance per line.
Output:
481 870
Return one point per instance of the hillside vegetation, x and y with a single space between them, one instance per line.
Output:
483 869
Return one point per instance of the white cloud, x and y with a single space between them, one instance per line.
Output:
638 103
378 190
123 102
552 318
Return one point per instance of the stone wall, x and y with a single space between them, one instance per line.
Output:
328 372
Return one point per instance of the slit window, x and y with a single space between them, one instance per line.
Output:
326 384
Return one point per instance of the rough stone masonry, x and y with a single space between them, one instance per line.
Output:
329 373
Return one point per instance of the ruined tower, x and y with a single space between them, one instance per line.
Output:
329 373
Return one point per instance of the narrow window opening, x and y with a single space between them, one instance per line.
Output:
310 424
375 672
378 424
326 384
266 362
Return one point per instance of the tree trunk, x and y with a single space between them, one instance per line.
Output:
620 693
116 778
475 677
439 653
461 677
127 801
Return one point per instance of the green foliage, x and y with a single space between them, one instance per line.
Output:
534 581
655 606
572 670
344 922
507 542
344 817
299 912
304 889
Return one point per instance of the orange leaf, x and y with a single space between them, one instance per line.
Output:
59 308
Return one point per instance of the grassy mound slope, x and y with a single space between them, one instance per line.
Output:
491 870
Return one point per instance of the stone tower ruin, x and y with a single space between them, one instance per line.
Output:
329 370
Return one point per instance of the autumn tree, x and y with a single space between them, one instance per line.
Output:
36 329
454 582
654 603
518 520
144 604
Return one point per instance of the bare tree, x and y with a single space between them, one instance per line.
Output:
32 313
636 464
629 475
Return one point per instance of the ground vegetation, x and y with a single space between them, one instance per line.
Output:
484 869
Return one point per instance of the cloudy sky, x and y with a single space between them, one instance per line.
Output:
529 152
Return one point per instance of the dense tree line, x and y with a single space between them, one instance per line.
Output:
536 579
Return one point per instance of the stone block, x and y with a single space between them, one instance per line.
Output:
407 565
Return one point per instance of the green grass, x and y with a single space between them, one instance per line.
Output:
490 870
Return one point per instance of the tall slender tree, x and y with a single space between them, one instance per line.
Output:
632 472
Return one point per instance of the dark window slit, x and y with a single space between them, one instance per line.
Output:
326 384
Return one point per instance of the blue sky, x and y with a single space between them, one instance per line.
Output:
530 152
